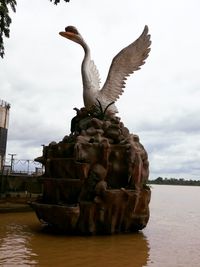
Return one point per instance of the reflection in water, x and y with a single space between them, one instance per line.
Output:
117 250
24 243
14 247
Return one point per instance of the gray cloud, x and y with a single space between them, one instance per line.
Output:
40 76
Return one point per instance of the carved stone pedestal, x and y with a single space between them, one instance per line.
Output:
95 178
120 211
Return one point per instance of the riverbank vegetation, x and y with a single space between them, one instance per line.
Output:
174 181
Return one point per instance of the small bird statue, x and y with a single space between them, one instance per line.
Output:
123 64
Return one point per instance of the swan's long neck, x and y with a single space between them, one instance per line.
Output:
89 90
85 66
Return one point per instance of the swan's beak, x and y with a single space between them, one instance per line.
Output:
68 35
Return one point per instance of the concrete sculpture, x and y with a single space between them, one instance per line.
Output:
95 179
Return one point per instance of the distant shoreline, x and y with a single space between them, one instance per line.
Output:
174 181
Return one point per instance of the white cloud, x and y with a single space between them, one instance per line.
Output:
40 75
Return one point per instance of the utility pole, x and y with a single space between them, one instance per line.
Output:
12 161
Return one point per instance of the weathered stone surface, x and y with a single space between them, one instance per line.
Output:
100 170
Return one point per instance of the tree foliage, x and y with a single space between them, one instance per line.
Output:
5 19
58 1
174 181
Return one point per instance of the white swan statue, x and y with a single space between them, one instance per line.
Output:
123 64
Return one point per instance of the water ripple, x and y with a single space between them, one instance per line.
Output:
14 247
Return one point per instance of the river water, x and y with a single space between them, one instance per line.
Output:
171 238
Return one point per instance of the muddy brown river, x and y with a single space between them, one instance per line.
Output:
171 238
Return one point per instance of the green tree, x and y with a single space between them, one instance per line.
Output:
5 19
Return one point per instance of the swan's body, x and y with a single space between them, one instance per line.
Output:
124 63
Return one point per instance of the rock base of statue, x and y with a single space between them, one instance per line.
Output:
95 179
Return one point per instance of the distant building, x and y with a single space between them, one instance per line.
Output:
4 119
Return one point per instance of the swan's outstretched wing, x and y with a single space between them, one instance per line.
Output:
124 63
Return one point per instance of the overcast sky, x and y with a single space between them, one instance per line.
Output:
40 75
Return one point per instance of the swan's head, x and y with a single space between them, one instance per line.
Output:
72 34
